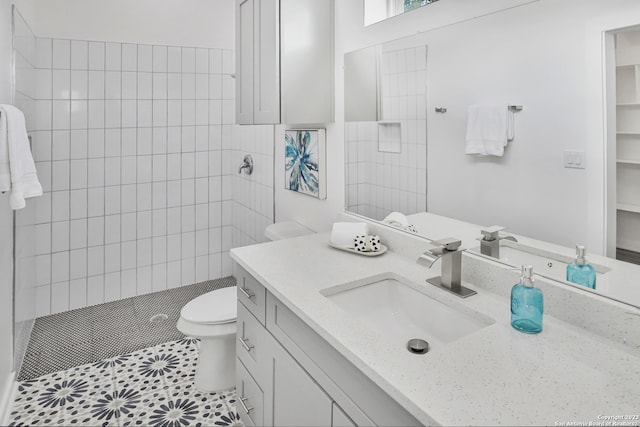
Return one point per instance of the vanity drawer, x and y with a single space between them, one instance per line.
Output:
251 293
250 403
251 344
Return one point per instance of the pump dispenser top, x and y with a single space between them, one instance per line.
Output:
580 272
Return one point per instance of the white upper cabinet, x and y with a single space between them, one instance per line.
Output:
284 54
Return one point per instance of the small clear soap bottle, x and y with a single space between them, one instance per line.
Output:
527 304
580 272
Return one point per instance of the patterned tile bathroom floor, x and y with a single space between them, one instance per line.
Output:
150 387
77 337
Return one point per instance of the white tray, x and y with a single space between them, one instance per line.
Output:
382 250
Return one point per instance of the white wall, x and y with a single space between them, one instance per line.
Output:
545 55
198 23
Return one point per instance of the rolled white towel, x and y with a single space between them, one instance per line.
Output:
344 233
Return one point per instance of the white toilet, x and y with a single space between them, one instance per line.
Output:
212 318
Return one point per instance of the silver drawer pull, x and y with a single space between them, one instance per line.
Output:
247 293
246 346
244 405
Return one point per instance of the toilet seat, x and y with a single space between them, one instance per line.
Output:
213 308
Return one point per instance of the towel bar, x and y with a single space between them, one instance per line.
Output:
515 107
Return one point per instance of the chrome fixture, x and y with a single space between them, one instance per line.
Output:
450 252
441 110
515 107
247 165
418 346
490 240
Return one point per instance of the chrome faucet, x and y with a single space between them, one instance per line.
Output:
490 240
247 165
450 279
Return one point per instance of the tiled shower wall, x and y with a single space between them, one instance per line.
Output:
24 43
129 142
252 208
380 182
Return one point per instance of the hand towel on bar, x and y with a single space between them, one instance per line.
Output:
488 130
344 233
17 168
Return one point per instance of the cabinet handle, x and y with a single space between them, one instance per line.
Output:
246 346
247 293
244 405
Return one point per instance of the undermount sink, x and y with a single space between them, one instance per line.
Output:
400 311
545 263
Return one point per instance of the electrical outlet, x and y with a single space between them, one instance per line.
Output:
574 159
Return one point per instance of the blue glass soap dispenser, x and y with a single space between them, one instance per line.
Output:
527 304
580 272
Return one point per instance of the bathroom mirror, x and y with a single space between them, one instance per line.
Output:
405 145
379 10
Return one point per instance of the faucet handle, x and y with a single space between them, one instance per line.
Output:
449 243
491 233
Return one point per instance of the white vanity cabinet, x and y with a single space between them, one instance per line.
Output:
287 375
284 61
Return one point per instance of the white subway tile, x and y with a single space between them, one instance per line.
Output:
129 142
160 59
188 215
145 57
129 114
111 199
78 293
188 86
44 115
43 269
145 86
78 205
78 264
60 266
202 269
113 57
60 205
128 198
95 290
96 175
159 227
62 54
145 114
79 84
128 286
59 297
174 86
79 114
174 276
144 194
43 301
144 252
112 257
129 57
95 228
188 60
95 260
174 62
160 88
215 267
44 52
96 56
188 271
112 286
79 174
61 115
113 85
96 114
215 61
79 55
159 277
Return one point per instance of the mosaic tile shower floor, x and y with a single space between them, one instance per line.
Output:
149 387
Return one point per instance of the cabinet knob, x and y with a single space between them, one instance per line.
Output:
246 346
246 292
244 405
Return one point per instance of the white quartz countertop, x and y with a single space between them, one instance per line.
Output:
496 376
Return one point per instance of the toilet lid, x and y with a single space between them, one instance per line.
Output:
214 307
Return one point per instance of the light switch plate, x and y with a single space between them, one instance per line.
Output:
574 159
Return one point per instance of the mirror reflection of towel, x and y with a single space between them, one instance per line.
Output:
489 128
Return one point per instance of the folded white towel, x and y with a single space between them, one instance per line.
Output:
489 128
344 233
17 168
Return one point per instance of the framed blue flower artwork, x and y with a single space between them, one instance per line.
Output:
305 169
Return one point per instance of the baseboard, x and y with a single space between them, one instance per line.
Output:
9 389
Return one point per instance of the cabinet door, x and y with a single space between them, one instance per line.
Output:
339 418
266 66
306 29
297 399
244 61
